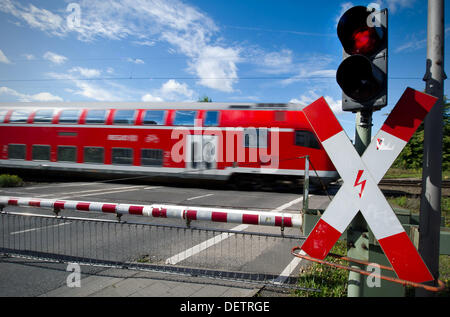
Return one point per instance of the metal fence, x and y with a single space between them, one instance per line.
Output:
235 255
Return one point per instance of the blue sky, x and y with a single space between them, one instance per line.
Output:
172 50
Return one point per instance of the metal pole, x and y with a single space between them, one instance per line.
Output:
357 234
430 204
306 186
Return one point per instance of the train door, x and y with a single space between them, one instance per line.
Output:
201 154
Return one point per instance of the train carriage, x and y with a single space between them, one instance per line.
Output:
189 140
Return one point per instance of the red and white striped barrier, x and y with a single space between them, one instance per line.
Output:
164 211
361 176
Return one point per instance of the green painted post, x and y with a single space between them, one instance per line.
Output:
357 233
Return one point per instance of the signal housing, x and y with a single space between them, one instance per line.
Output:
362 75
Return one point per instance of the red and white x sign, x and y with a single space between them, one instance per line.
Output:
361 176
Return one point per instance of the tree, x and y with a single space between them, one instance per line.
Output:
204 99
412 155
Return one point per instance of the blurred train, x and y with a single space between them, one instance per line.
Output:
237 142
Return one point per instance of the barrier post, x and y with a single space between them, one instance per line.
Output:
306 186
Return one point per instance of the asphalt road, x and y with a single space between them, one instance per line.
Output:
22 277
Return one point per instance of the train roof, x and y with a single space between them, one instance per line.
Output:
155 105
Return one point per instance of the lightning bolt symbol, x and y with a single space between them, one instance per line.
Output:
362 183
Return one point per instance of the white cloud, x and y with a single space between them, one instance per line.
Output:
312 95
37 18
151 98
395 5
279 62
29 57
45 96
170 91
93 91
216 67
55 58
89 89
3 58
312 67
135 61
145 43
42 96
412 45
86 72
188 30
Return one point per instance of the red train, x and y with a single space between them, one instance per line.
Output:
190 140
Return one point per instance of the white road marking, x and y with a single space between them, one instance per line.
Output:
87 191
219 238
203 246
289 269
287 205
198 197
284 275
58 185
125 189
40 228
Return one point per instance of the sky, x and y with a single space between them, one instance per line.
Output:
181 50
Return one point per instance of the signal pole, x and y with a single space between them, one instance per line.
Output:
358 234
430 204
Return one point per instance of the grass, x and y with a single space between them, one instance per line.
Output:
413 204
411 173
331 281
7 180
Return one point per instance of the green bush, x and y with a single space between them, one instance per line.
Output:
7 180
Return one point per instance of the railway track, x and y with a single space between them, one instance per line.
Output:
409 183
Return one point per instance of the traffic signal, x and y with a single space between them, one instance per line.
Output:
363 73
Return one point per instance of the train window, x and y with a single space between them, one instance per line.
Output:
16 151
69 116
67 154
19 116
152 157
124 117
94 155
306 139
3 115
96 117
255 138
185 117
122 156
211 119
62 133
40 153
154 117
43 116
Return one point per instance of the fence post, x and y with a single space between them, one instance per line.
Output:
306 186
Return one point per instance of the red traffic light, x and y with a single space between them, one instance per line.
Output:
362 76
356 36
